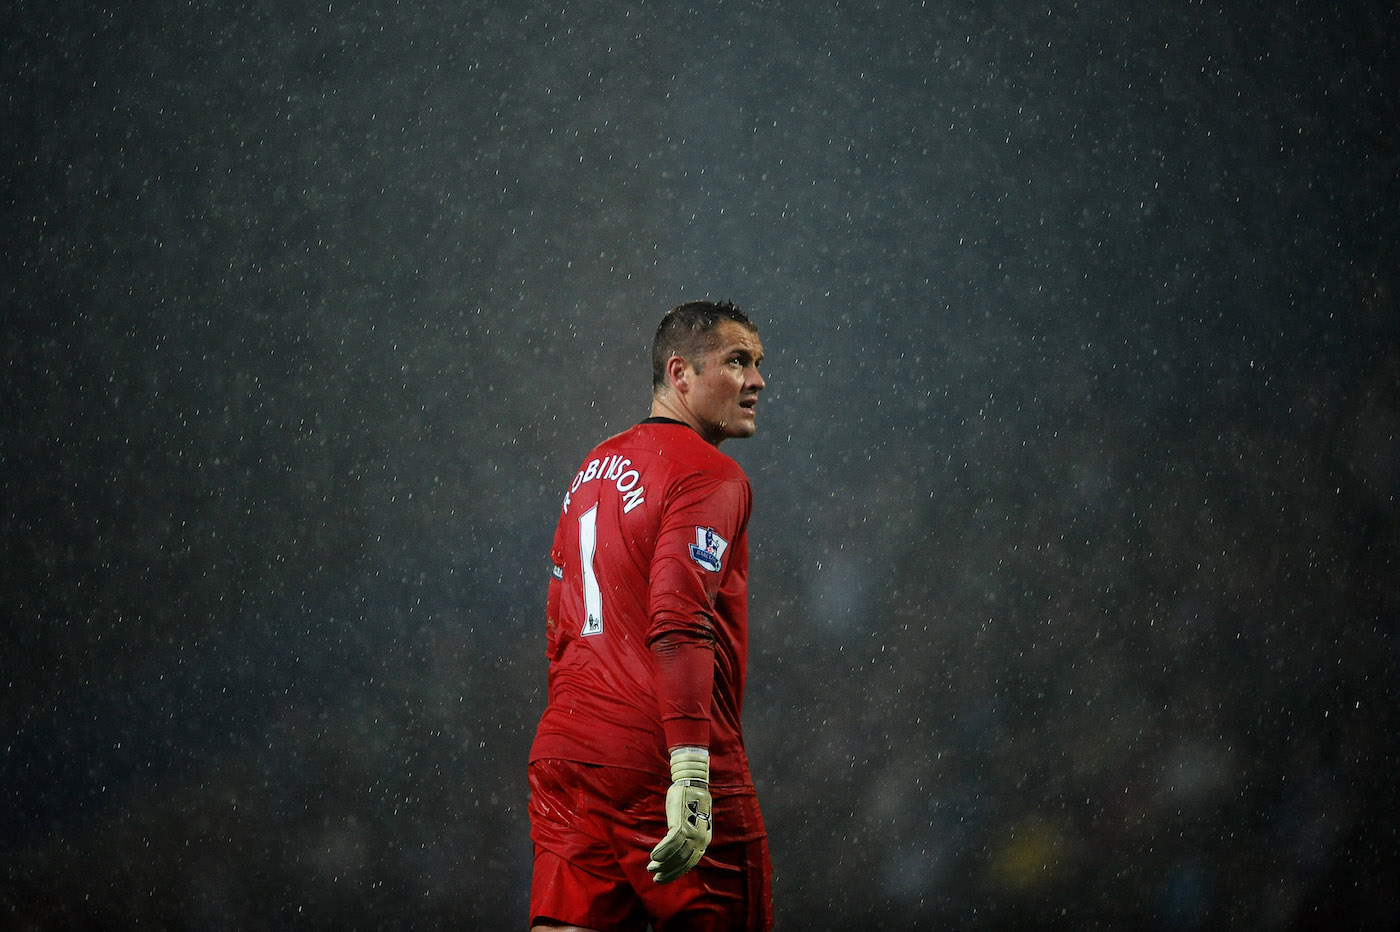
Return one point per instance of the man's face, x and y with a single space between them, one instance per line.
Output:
724 389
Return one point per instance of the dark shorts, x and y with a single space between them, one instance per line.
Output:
593 829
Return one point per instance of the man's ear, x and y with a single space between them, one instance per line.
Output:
678 372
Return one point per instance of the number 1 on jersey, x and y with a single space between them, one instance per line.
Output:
592 594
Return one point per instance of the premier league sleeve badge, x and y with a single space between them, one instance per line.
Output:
708 549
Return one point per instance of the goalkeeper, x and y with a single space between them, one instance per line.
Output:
642 808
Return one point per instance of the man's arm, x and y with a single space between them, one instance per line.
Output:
686 570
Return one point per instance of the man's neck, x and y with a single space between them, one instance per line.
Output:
663 407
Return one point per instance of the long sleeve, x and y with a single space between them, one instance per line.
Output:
685 669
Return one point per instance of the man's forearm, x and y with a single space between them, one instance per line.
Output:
685 674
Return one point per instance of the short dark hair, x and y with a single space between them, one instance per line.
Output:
688 331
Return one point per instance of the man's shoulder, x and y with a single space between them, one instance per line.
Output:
682 449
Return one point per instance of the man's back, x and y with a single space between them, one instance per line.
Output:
652 539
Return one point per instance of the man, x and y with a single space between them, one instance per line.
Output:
642 809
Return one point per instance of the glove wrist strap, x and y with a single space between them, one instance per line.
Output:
690 766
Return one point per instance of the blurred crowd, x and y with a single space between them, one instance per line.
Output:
1104 674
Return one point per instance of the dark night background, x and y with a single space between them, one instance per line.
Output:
1074 583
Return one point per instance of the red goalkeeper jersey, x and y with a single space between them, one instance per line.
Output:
647 613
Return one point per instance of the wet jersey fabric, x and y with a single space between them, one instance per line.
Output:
650 574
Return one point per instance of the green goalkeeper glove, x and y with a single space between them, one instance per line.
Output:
687 816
